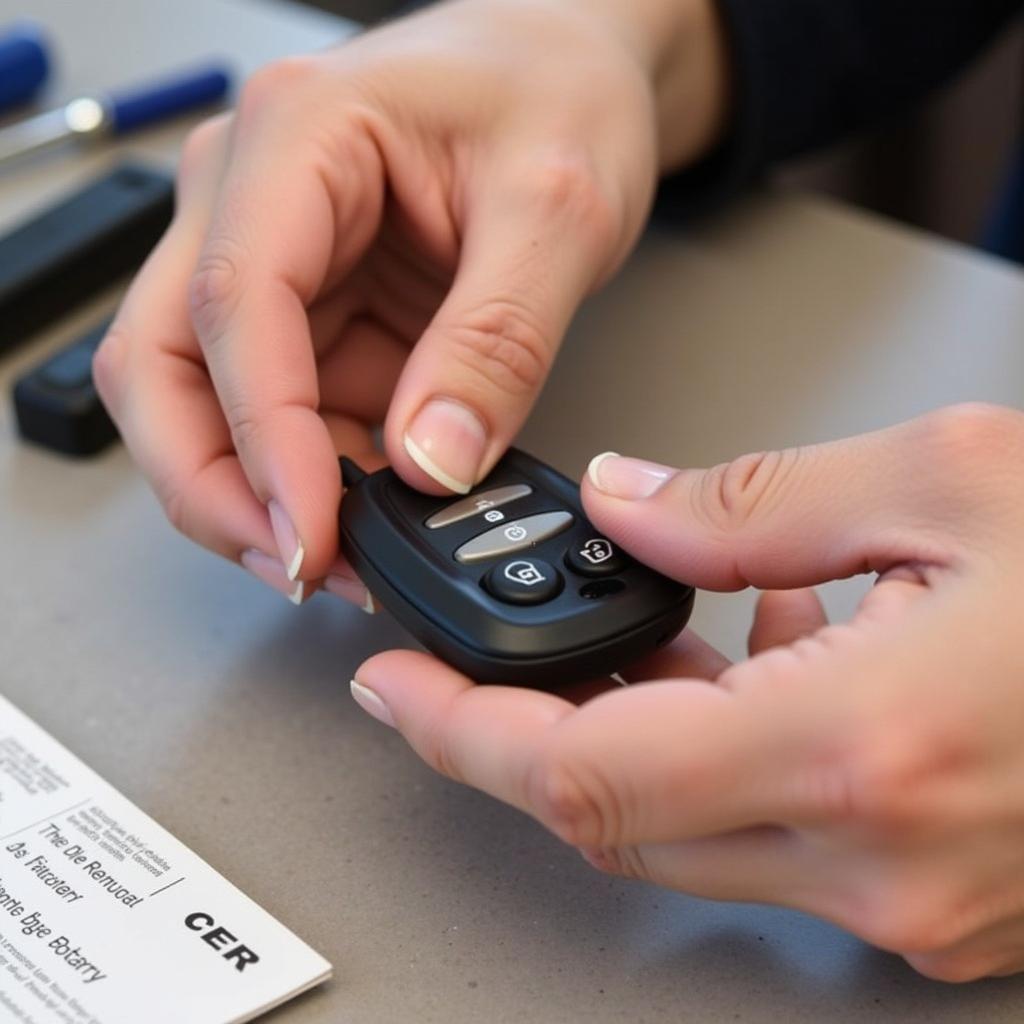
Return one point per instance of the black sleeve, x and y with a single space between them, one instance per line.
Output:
807 72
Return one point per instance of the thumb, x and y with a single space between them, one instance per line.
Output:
528 257
785 519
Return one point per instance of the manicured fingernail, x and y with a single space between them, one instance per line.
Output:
371 703
595 462
272 572
288 543
633 479
447 441
350 590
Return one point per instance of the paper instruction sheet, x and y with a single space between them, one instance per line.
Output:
106 918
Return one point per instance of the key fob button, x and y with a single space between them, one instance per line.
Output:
595 556
513 536
524 581
481 502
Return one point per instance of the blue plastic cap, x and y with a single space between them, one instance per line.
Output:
24 62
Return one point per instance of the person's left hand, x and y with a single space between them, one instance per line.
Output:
870 773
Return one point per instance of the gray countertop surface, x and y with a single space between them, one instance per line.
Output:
224 712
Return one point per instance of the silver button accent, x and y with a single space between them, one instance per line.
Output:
477 503
513 537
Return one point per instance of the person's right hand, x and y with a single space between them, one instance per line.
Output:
868 772
397 229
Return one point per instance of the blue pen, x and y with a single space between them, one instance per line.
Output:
115 113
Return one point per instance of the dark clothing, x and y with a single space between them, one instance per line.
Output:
807 72
1004 234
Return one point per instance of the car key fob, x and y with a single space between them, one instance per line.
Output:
510 584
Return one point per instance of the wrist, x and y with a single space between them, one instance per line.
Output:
681 47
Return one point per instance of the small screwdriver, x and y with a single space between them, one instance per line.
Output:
91 117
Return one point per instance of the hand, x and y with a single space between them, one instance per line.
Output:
395 231
869 772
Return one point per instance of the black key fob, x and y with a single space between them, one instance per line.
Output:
510 584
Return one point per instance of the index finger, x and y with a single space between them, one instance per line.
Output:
284 226
651 763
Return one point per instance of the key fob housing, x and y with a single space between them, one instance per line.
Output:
510 584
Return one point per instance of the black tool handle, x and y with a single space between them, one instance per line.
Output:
56 402
68 252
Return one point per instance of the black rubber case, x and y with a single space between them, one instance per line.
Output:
592 628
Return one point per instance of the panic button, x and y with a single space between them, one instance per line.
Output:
515 536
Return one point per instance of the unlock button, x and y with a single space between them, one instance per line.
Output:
595 556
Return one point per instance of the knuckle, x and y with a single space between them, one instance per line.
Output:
214 288
977 448
273 83
198 145
441 753
108 366
566 185
890 779
502 344
565 804
868 793
868 783
172 493
176 510
244 424
732 493
966 436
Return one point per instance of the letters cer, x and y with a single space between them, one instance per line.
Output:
218 937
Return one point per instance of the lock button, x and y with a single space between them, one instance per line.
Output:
524 581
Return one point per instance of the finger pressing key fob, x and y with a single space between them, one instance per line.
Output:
510 584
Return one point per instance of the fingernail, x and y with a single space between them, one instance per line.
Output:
447 441
633 479
371 703
288 543
272 572
350 590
